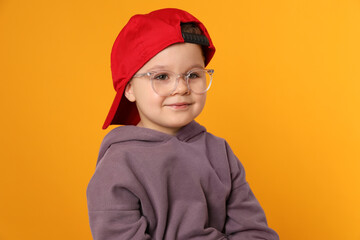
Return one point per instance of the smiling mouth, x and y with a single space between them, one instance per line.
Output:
179 105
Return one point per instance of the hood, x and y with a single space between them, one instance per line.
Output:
133 133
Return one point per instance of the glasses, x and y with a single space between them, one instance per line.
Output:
164 83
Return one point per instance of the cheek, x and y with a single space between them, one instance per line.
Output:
142 90
201 99
146 96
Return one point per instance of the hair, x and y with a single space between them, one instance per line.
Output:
192 27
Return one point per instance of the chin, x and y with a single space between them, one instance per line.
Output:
178 123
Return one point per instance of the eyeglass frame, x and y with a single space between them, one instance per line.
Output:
184 76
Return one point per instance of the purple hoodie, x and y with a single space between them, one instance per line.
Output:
151 185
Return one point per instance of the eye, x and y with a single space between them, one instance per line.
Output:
194 75
161 76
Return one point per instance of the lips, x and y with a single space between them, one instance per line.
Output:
179 105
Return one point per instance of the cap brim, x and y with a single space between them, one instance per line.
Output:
122 111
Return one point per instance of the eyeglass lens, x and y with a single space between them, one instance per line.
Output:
165 82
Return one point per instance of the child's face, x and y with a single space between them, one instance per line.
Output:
168 114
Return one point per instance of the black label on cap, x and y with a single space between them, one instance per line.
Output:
195 38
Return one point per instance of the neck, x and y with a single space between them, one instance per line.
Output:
170 131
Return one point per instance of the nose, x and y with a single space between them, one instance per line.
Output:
181 86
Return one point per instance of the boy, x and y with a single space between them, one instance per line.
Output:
162 176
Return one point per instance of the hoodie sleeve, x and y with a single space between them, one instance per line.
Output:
245 218
114 210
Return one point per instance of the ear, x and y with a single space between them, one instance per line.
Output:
129 92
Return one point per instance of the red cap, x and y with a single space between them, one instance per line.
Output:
141 39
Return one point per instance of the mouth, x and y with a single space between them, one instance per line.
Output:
180 105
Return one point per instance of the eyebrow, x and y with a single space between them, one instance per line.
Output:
157 67
166 67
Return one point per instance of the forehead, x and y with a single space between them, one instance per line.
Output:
177 56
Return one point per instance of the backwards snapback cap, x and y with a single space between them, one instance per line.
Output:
144 36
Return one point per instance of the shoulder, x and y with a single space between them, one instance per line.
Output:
215 140
218 140
234 163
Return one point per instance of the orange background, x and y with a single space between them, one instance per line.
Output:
286 96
